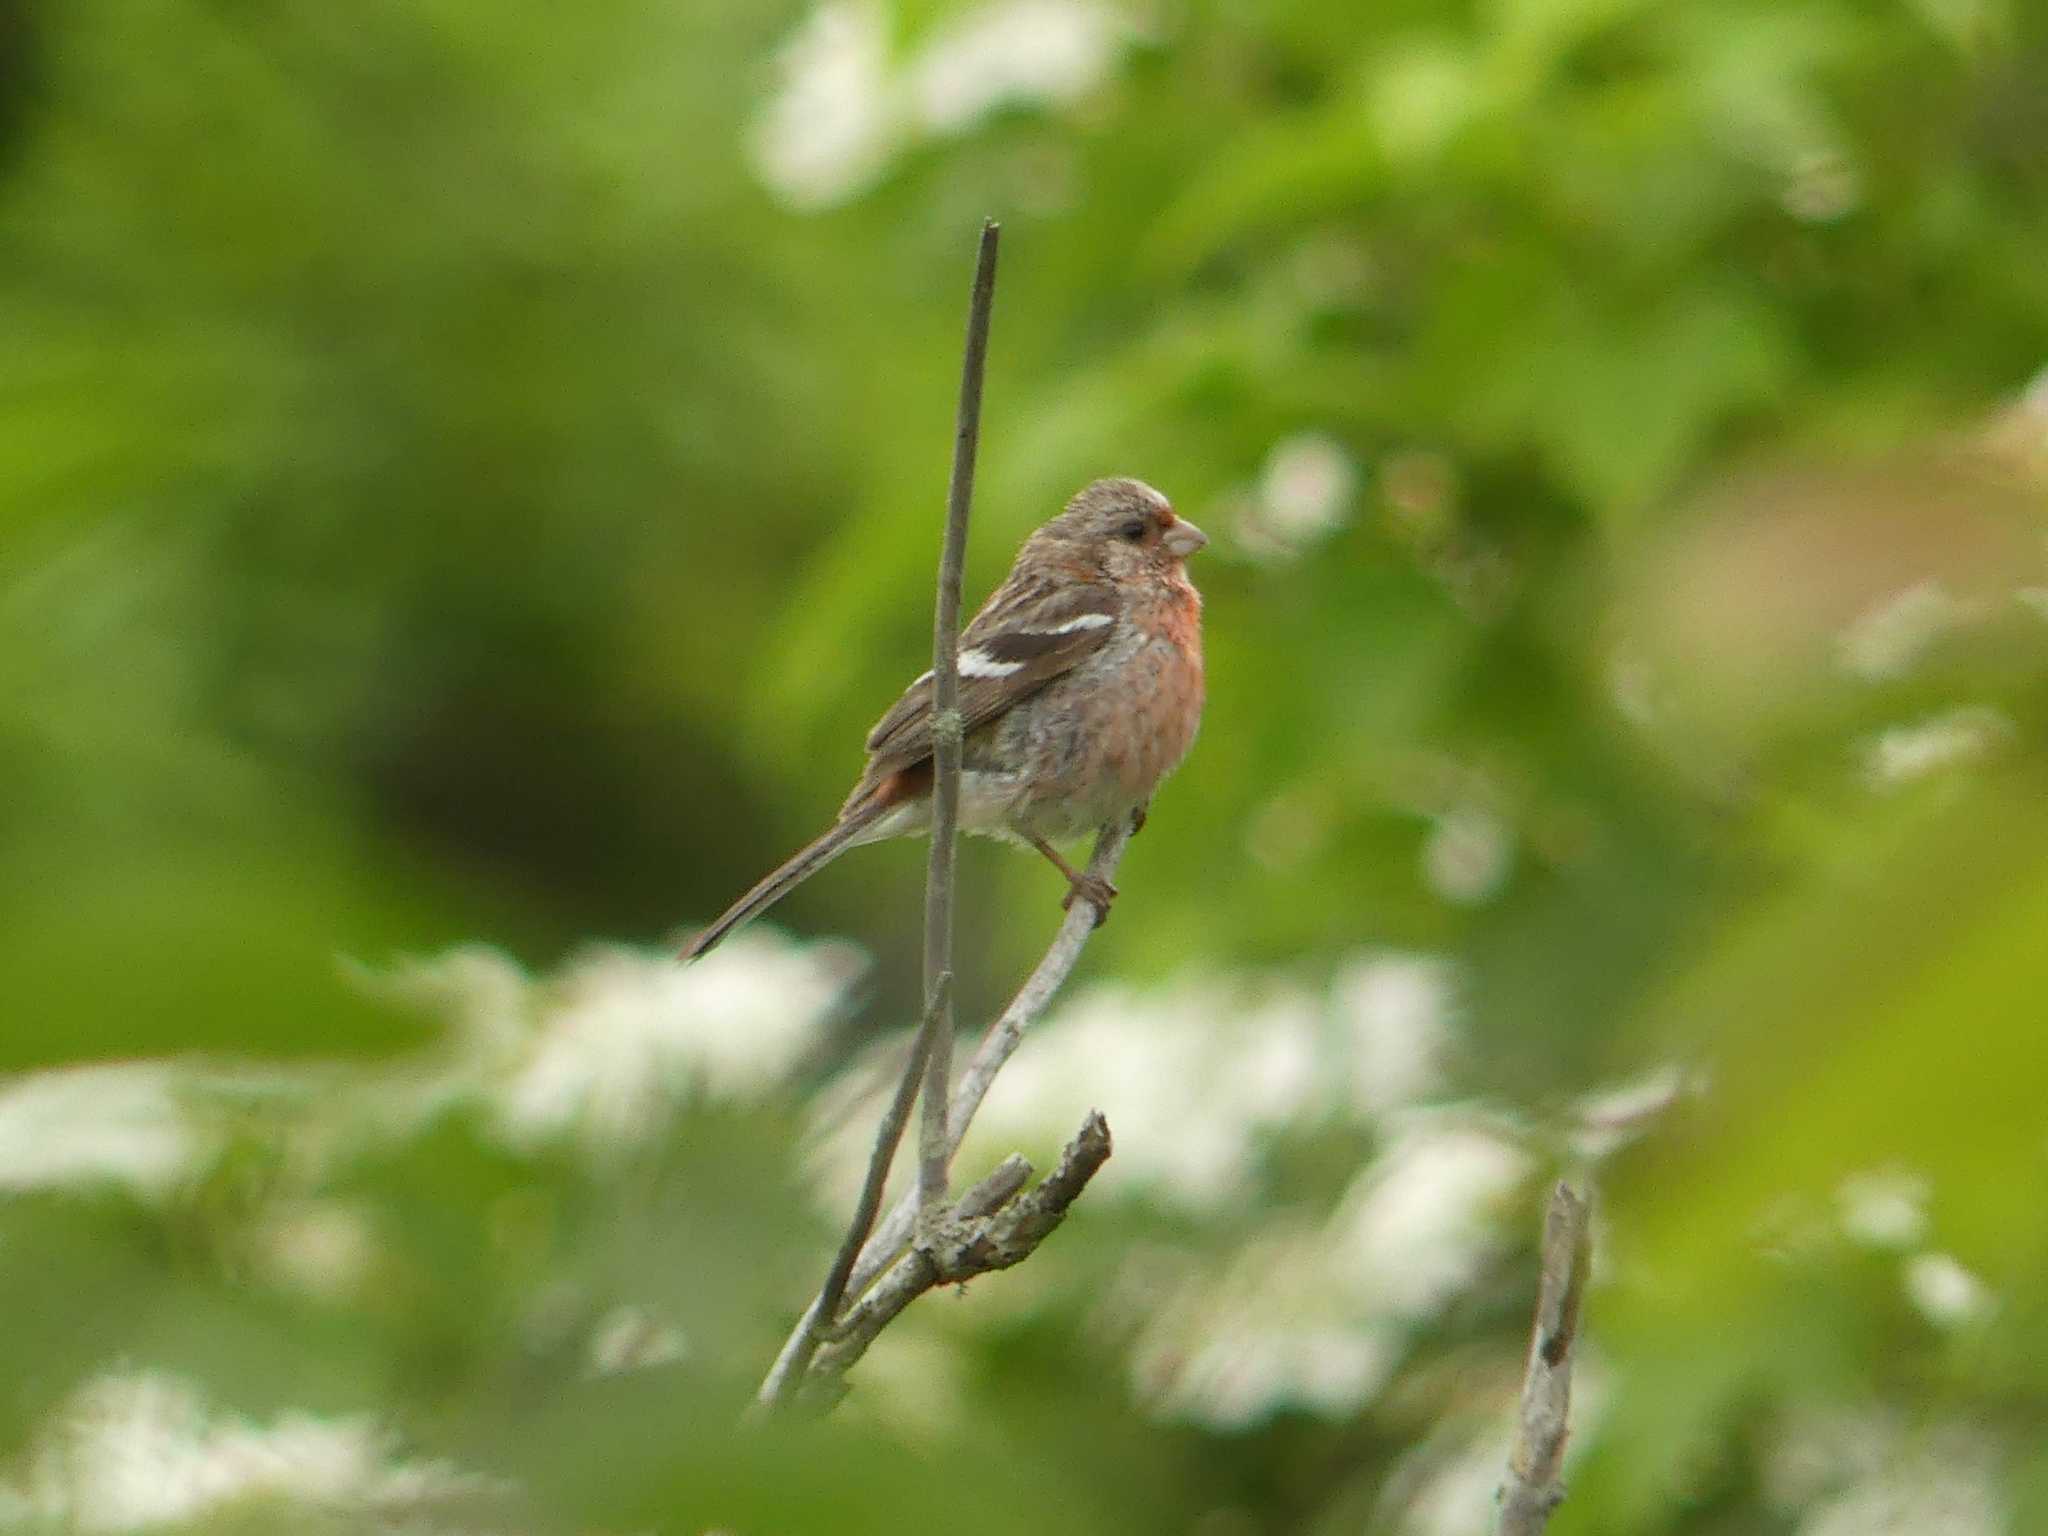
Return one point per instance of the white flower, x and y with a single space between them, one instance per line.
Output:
1050 51
1950 1489
1188 1078
829 130
1267 1332
843 108
630 1338
1457 1493
1613 1117
1886 1209
1417 1225
1909 752
1238 1377
121 1123
627 1033
1304 494
145 1450
1888 638
1861 1472
322 1247
1398 1009
1947 1294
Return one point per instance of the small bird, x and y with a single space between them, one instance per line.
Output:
1080 689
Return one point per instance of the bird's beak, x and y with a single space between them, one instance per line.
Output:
1184 538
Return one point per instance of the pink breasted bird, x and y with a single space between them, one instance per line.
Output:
1080 689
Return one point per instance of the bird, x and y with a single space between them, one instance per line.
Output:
1080 689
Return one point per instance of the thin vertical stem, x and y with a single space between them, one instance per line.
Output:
931 1053
935 1150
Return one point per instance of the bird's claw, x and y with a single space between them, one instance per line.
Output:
1094 890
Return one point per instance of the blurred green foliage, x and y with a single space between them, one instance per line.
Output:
460 484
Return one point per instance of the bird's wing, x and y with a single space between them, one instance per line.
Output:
1020 641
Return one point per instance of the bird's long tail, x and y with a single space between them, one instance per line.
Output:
778 883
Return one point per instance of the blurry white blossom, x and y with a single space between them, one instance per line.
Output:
1468 855
1051 51
122 1123
603 1049
828 131
1189 1077
1398 1010
1304 494
1816 1450
1267 1332
480 993
1949 1489
1318 1318
631 1338
1611 1118
1889 637
1945 1293
843 106
324 1248
1863 1472
623 1034
145 1450
1460 1493
1238 1376
1905 753
1884 1209
1194 1077
1420 1221
1197 1079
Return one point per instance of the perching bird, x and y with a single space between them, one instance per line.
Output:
1080 689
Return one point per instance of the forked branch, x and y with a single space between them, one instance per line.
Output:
992 1226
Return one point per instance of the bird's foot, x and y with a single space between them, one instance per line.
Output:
1094 890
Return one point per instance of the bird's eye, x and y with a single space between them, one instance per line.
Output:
1134 530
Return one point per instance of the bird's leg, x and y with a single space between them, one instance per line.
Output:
1093 889
1138 817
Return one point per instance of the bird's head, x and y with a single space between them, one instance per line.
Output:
1123 528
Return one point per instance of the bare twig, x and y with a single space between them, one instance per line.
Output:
992 1228
935 1153
795 1359
997 1046
1533 1487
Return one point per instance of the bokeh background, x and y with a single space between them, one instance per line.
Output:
469 475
